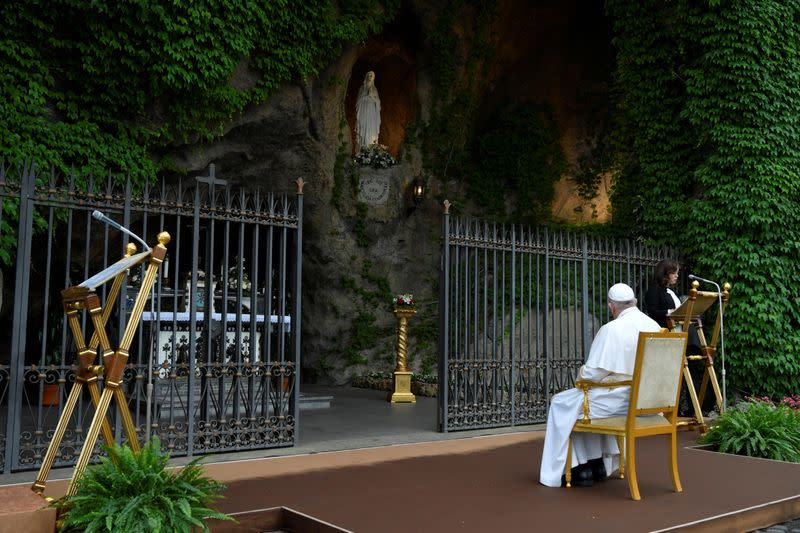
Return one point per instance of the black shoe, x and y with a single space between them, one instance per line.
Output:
581 476
598 469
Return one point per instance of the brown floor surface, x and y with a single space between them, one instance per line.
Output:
490 484
23 511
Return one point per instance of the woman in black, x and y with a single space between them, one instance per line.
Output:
660 299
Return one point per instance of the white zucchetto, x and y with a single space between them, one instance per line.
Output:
621 292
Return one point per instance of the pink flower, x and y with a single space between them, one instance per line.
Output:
791 401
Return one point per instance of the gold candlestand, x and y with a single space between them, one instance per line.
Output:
401 383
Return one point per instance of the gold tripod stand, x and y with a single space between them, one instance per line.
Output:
689 315
80 297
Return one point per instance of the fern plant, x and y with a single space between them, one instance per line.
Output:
758 429
133 492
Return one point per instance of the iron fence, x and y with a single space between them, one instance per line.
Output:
518 308
214 364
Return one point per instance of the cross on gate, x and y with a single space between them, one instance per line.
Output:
211 180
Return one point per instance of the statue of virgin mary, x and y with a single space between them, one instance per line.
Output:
368 113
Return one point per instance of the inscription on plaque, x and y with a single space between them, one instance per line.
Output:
374 190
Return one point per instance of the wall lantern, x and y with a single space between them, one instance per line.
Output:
418 191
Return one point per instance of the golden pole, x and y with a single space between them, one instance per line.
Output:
91 438
401 390
49 457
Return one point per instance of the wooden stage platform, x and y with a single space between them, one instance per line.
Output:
490 483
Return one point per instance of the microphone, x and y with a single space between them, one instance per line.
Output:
698 278
98 215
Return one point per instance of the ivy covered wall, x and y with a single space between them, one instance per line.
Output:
110 85
709 147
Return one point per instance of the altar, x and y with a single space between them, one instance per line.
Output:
170 336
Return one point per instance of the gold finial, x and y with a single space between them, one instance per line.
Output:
163 238
130 249
300 183
446 205
695 284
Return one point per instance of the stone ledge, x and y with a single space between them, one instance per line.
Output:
418 388
314 401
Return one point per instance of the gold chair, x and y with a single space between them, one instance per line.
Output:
653 408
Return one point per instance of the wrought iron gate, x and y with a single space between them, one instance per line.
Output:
222 367
518 307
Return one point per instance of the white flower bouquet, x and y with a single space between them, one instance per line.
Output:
375 155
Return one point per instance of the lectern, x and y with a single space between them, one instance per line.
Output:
113 362
689 315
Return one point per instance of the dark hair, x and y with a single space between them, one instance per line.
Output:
664 268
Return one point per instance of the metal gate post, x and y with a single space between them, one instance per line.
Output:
298 282
444 319
19 324
585 293
192 297
513 377
123 304
546 321
628 263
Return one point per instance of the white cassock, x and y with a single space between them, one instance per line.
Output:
611 358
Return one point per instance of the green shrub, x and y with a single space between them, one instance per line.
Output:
758 429
133 492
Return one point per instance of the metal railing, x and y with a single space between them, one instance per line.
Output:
214 363
518 308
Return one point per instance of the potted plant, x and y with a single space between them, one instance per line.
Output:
50 374
758 428
50 394
134 492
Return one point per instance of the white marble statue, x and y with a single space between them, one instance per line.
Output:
368 112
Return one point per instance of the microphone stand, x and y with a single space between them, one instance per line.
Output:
98 215
149 388
721 335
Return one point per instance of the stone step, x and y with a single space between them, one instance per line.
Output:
314 401
178 401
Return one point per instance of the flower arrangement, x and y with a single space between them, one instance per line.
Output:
404 300
792 402
375 155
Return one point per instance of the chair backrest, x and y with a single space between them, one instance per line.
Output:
657 372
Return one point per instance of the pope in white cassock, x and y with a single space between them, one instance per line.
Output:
611 358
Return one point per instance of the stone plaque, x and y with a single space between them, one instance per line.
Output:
374 190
